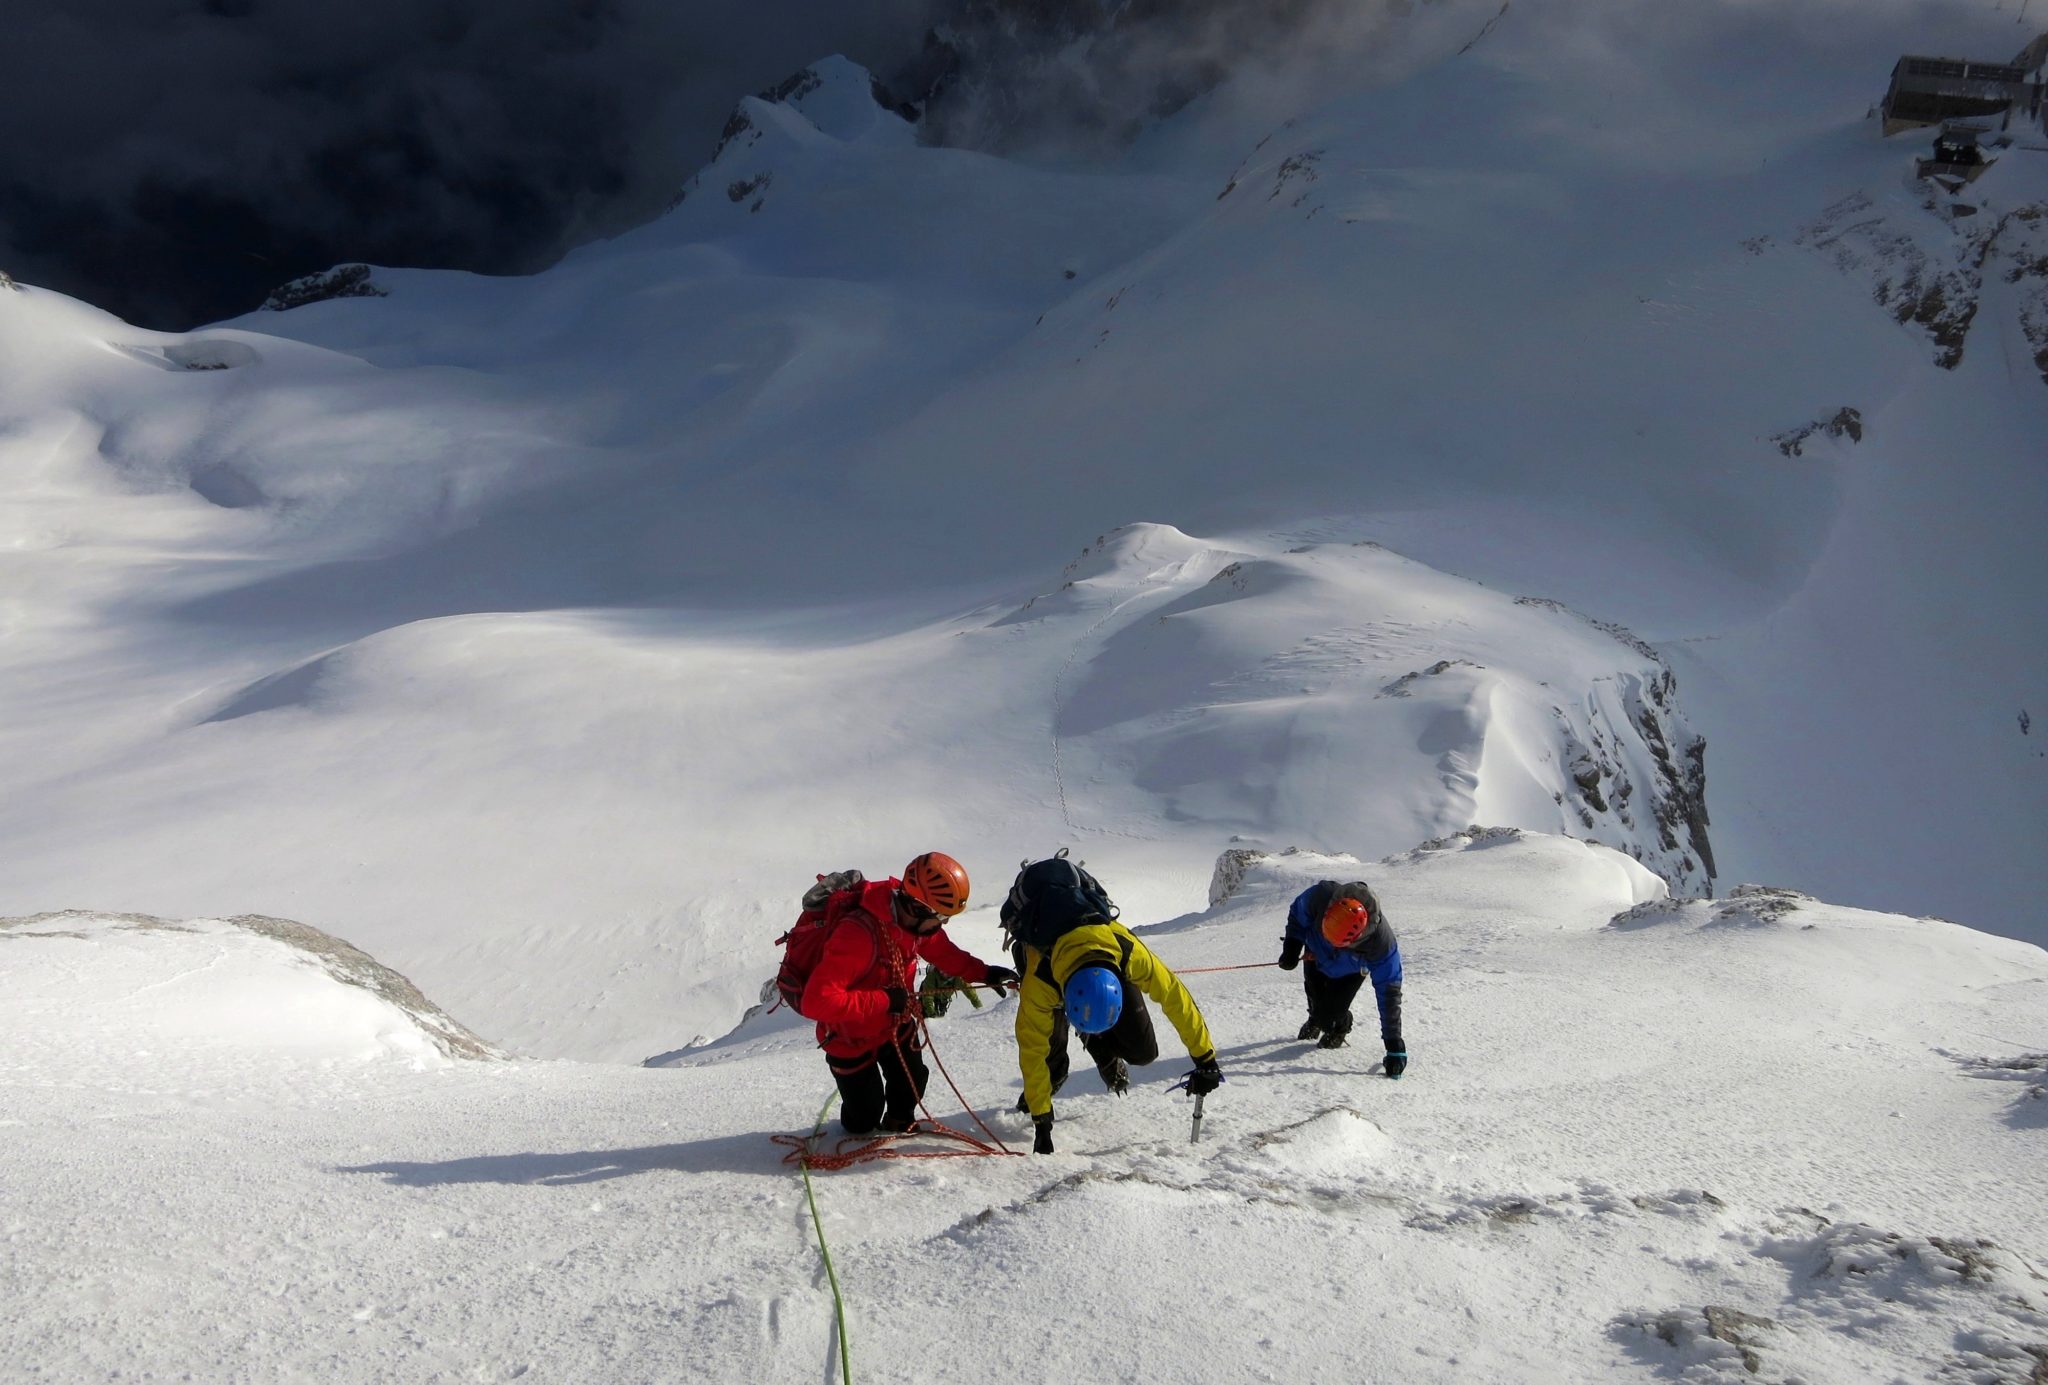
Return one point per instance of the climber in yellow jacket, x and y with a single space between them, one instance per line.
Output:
1094 977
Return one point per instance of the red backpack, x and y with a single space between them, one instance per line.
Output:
826 904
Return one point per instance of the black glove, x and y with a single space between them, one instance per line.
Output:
1397 1062
899 1000
1000 979
1290 954
1206 1077
1043 1143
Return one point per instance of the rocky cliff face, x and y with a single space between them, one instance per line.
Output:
342 281
1928 253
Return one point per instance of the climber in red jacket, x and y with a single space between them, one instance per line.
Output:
863 992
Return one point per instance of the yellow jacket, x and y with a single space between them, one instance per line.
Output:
1041 994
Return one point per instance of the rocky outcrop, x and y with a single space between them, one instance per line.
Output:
1636 772
1844 423
342 281
1926 261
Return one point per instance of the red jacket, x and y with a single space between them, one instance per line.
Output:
846 992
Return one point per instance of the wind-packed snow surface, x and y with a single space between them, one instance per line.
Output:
1576 418
1640 1138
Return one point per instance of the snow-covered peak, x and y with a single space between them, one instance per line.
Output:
841 100
830 103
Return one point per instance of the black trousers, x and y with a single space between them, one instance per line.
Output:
1330 997
1131 1038
882 1086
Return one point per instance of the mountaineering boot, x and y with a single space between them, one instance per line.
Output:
1309 1030
899 1125
1334 1039
1116 1075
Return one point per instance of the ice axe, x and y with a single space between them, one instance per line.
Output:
1195 1130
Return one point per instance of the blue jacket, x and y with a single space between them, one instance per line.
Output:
1377 950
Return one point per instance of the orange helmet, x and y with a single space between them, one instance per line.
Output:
1345 921
938 882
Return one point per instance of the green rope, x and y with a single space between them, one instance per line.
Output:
838 1303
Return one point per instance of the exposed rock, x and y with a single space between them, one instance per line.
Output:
2026 230
795 87
1764 903
1740 1330
1296 178
1236 862
1927 265
740 189
1474 834
736 124
1596 760
1846 423
1707 1332
7 281
342 281
1400 686
1229 872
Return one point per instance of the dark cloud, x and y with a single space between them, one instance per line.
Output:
173 160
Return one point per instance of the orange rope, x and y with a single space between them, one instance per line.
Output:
1000 1147
872 1147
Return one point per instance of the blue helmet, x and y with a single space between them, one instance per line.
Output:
1094 997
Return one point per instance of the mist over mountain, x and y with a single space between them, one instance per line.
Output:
175 160
1083 77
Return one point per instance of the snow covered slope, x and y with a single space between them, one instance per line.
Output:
109 1001
852 389
1639 1137
587 828
512 626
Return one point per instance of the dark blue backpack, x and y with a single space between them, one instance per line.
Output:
1051 897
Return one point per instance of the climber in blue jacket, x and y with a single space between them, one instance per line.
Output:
1347 938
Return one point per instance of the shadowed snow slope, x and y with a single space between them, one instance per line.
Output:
582 830
1638 1136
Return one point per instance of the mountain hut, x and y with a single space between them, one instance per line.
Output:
1932 91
